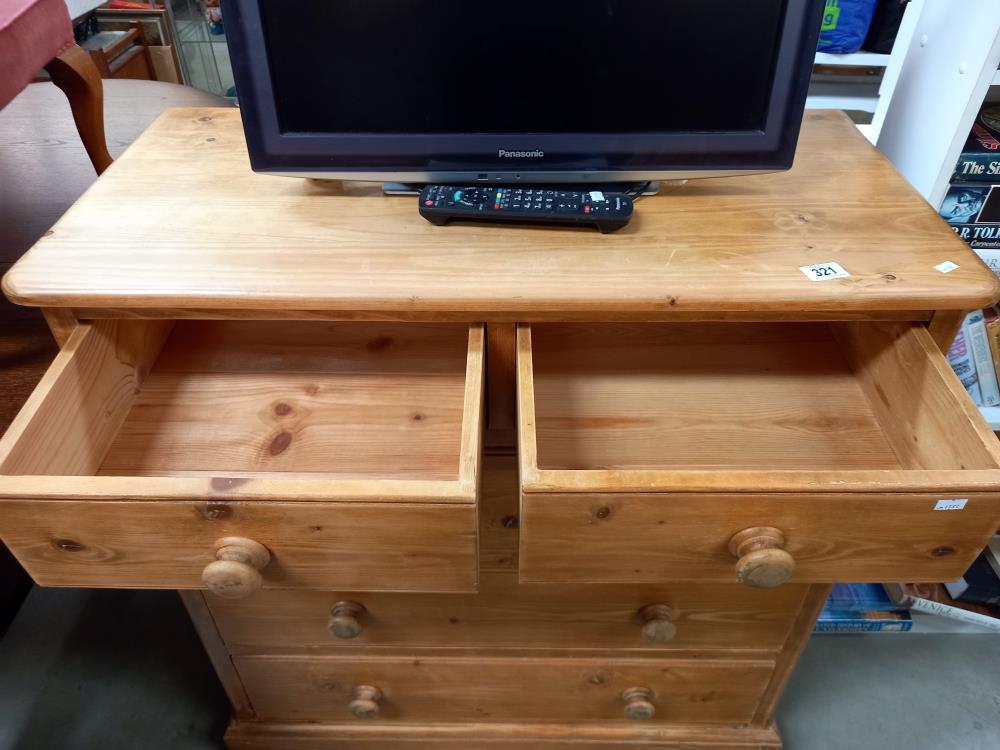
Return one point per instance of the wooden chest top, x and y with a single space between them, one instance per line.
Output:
180 222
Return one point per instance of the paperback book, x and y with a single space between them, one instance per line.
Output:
980 158
973 211
961 359
989 388
861 608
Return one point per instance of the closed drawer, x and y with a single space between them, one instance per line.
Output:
332 689
233 454
508 615
754 452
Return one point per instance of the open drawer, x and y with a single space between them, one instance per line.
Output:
752 452
237 454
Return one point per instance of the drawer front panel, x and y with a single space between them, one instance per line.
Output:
241 454
624 537
499 689
754 452
362 735
505 614
167 544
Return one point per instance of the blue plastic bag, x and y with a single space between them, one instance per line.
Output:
845 25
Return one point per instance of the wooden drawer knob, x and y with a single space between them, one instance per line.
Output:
344 620
365 703
639 704
235 573
657 623
763 562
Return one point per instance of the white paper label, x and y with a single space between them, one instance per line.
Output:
824 271
596 196
953 503
946 267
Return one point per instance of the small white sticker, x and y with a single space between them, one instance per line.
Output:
946 267
597 196
824 271
953 503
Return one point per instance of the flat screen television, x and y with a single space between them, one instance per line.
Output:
545 91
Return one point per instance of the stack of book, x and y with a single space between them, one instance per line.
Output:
972 208
862 608
975 356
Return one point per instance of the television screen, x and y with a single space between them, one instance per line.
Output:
549 66
546 91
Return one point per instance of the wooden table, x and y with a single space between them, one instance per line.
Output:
531 487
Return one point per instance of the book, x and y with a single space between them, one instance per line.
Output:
961 361
861 608
864 622
991 317
859 597
980 157
989 388
932 598
973 211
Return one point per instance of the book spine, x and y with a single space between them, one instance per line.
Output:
977 167
955 613
979 236
993 336
863 626
989 389
960 358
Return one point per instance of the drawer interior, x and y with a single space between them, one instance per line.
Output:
746 396
319 400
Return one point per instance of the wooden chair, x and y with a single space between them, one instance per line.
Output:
36 34
125 55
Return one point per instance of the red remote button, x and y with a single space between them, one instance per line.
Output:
586 209
428 203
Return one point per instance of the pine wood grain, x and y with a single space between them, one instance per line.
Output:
229 411
924 411
196 436
72 416
243 735
700 396
62 323
554 315
943 327
611 408
504 614
276 243
507 615
344 400
166 545
330 424
801 632
208 632
499 501
650 536
501 403
444 688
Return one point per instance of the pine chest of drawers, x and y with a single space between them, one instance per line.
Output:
505 488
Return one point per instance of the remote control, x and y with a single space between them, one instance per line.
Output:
440 204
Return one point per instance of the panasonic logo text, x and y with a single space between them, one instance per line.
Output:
504 154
